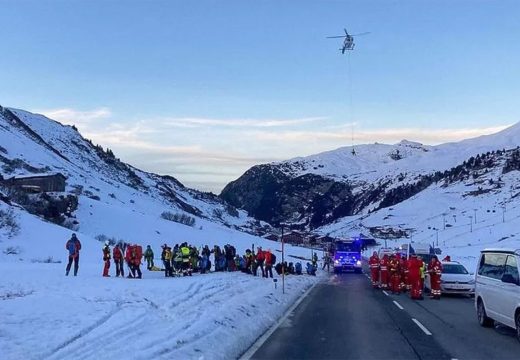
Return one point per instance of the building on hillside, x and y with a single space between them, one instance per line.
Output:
324 239
55 182
272 237
294 237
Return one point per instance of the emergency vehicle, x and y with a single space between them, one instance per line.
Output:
347 255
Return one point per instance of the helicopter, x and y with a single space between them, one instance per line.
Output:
348 43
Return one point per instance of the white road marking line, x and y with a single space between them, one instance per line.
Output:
384 292
262 339
423 328
398 305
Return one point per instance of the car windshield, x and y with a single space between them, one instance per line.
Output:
347 246
454 269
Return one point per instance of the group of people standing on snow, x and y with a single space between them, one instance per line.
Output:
398 274
184 259
132 254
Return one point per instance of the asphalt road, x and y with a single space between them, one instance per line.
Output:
344 318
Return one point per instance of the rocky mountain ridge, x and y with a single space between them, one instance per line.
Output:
33 144
311 192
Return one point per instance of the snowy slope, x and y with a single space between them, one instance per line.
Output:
47 315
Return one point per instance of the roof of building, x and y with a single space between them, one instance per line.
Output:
30 176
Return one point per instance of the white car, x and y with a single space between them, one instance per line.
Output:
497 291
455 279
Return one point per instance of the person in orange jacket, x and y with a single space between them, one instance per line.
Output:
259 258
268 263
373 263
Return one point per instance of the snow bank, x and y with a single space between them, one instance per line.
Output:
214 316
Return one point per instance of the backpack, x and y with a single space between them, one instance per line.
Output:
72 247
273 258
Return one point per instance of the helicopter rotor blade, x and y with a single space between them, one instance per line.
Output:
346 32
334 37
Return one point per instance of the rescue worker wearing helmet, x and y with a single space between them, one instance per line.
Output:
435 270
374 264
414 276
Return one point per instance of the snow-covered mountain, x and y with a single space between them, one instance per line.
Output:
317 190
32 144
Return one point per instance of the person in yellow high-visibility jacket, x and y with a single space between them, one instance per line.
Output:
185 251
166 257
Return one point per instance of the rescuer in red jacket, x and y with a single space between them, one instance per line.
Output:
414 277
435 270
268 263
136 255
384 272
395 274
117 255
128 259
260 257
403 266
373 262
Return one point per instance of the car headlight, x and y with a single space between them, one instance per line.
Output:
358 263
336 261
471 282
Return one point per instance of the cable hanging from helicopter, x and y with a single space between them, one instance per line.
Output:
348 45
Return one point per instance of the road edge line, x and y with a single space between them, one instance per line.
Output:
262 339
384 292
422 327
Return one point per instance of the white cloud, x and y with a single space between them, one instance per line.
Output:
70 116
260 123
215 151
388 135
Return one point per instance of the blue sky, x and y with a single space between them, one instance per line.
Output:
202 90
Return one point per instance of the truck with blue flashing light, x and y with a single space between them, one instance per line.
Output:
347 256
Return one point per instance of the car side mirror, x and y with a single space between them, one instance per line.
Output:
508 278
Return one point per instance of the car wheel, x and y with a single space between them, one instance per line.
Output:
517 322
483 319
